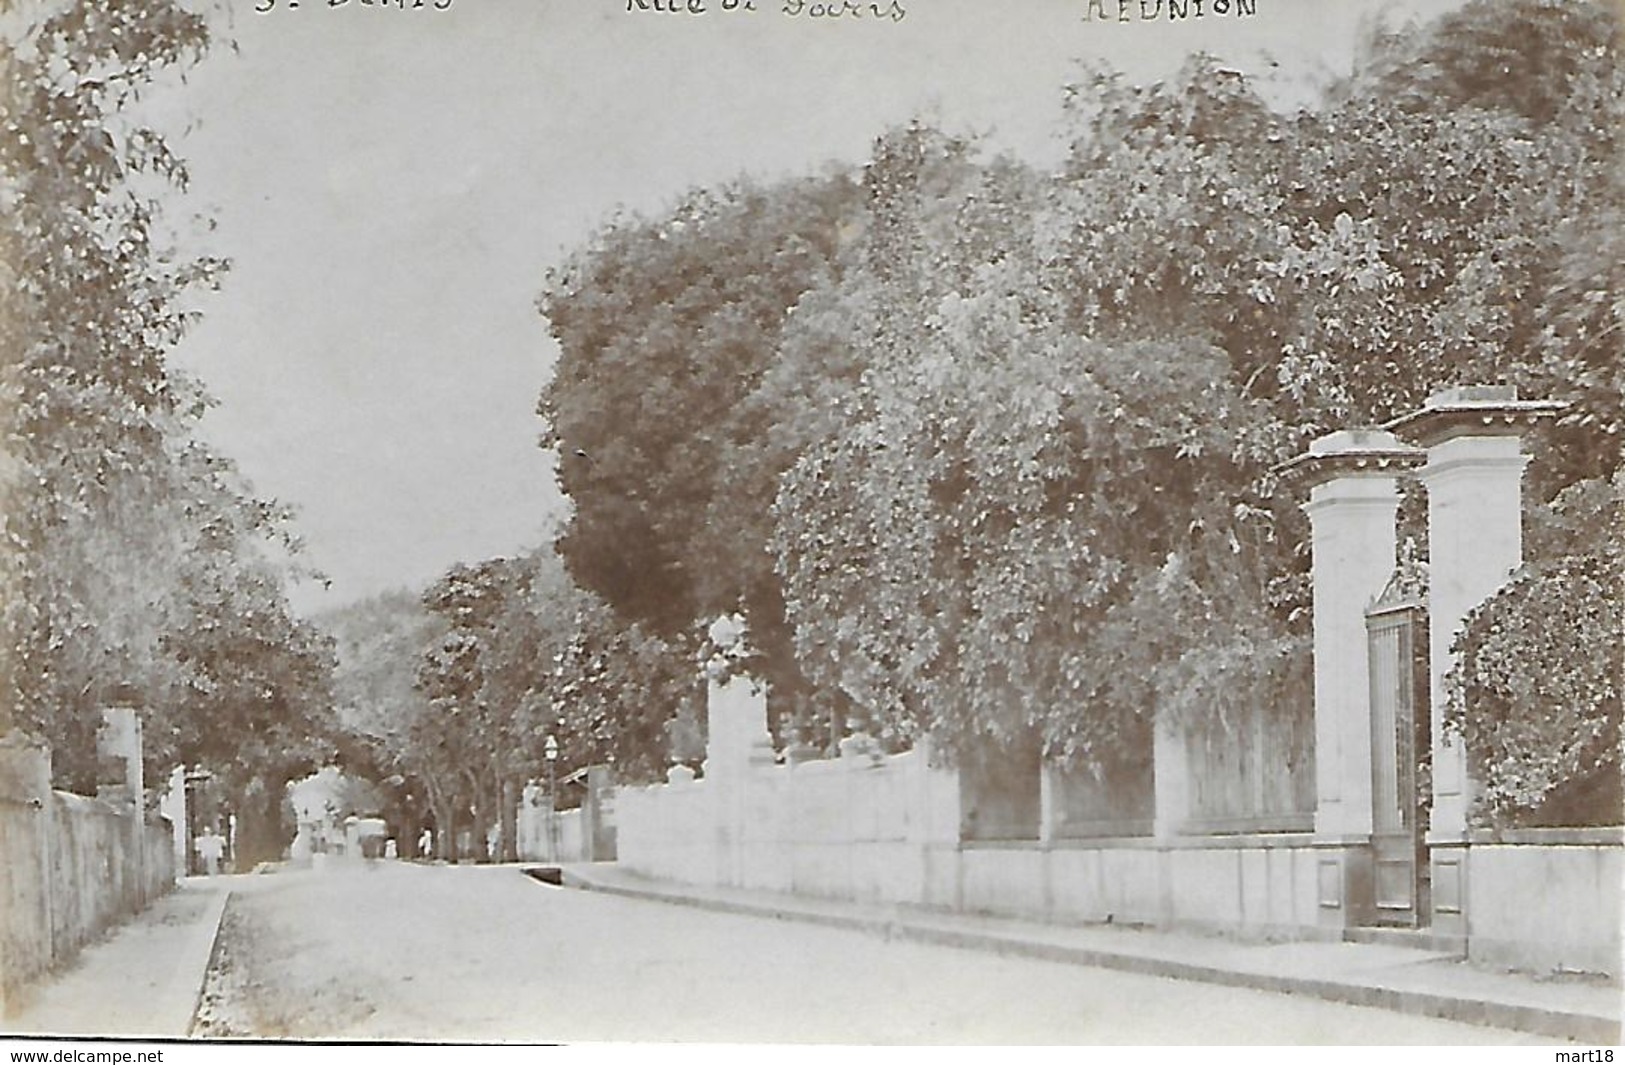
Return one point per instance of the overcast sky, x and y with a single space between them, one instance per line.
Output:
392 185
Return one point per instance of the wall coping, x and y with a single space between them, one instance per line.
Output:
1258 841
92 805
1549 837
1473 411
648 789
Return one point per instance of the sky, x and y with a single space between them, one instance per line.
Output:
392 185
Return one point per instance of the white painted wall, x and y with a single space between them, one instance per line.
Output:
1546 906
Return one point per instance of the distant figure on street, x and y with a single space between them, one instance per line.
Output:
209 847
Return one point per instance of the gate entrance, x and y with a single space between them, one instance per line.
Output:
1401 748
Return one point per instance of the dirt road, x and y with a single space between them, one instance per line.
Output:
396 951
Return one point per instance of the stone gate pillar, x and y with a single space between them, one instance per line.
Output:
120 777
172 805
121 781
1474 480
1353 502
737 741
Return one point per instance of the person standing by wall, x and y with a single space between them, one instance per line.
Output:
209 848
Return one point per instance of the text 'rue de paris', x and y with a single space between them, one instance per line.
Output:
842 10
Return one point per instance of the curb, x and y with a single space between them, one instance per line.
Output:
1536 1020
200 953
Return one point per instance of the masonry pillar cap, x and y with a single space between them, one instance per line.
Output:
1364 452
1473 410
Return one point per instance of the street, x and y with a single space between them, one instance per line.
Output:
394 951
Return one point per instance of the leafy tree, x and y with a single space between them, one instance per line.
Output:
1020 431
1204 286
137 565
615 691
1453 211
89 305
667 329
1168 200
519 653
379 642
1545 61
960 545
255 696
478 719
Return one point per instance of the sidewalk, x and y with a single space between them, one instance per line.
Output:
1397 978
143 980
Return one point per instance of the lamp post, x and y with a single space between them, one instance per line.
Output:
551 753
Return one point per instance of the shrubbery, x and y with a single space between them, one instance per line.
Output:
1536 696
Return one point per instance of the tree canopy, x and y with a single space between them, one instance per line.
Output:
1017 428
450 695
138 567
661 405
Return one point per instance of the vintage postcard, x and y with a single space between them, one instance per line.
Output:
1069 522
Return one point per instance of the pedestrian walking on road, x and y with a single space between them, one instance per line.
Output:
209 847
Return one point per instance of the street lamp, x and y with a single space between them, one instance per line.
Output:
551 753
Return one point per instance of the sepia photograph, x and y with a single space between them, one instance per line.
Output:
772 524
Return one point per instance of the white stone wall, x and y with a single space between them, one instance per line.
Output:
1551 901
887 831
853 828
537 842
667 832
1255 884
70 867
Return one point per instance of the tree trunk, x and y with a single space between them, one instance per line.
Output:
259 826
477 810
493 815
445 831
409 827
510 820
443 842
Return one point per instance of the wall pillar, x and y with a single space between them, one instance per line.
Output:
28 949
1047 800
121 781
118 752
1170 779
1353 503
737 740
172 805
737 726
1475 542
1474 481
737 743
